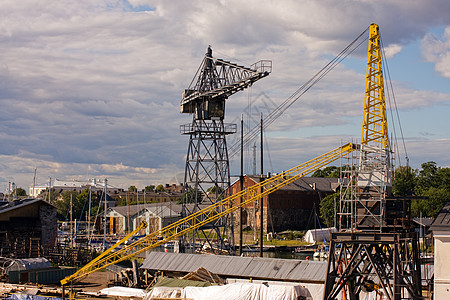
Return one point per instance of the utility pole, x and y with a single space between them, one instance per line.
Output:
71 221
241 181
104 213
89 215
261 209
49 189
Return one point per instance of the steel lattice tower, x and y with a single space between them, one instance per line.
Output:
376 249
207 171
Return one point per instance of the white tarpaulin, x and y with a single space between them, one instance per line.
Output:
319 235
120 291
164 292
245 291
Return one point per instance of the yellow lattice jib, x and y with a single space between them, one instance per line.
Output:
374 127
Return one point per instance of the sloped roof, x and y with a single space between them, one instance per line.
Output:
17 204
163 209
319 184
442 221
236 266
135 209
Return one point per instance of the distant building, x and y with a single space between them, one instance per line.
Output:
289 208
124 219
60 186
441 232
173 188
143 197
28 228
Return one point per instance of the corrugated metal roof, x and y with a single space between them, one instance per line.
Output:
236 266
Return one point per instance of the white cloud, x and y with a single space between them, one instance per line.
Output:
98 83
391 50
437 51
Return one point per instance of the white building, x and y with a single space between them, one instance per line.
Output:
441 233
65 185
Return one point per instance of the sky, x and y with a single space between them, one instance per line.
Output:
91 88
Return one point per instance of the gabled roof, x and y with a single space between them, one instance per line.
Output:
137 208
17 204
163 209
442 221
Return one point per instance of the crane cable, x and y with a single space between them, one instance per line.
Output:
393 106
276 113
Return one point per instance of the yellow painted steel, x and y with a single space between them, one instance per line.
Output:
374 127
81 272
210 213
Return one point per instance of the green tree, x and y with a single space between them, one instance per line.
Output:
215 189
433 184
132 189
150 188
53 195
160 188
433 201
330 172
404 178
80 202
426 178
328 207
194 195
20 192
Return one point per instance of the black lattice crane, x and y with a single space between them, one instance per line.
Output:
207 174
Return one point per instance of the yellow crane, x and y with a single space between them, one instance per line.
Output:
208 214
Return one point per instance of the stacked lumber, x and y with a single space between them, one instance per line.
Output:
201 274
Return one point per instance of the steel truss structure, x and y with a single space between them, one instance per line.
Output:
376 249
207 171
207 179
384 263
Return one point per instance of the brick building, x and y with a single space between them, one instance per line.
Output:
289 208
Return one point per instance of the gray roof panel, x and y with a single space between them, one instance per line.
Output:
236 266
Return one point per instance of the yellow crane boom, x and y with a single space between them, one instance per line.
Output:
209 214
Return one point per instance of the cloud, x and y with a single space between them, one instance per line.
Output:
436 49
96 85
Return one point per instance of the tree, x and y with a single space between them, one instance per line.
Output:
330 172
20 192
328 207
149 188
433 201
433 184
53 195
404 178
194 195
80 202
132 189
160 188
215 190
426 178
